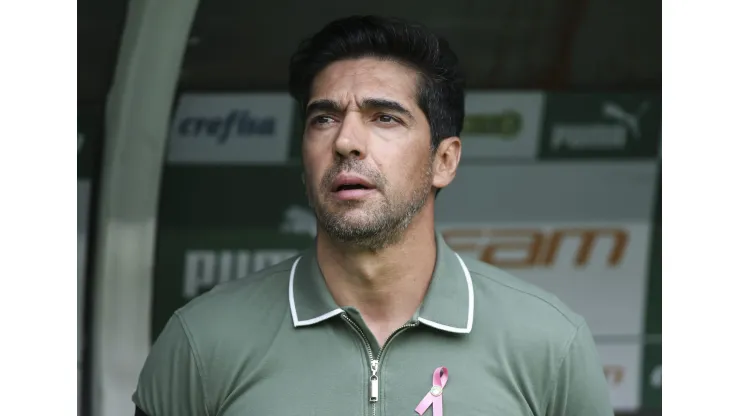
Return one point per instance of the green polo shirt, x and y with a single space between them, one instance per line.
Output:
276 343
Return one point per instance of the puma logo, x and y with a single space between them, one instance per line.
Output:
298 220
629 120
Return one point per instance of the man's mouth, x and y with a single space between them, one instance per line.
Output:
350 187
350 182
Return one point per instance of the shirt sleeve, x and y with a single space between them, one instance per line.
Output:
579 388
171 382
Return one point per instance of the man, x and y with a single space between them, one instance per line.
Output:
380 316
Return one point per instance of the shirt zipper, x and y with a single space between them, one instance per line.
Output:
374 364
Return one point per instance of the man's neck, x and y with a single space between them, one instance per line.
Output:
386 286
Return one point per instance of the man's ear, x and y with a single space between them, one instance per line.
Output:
446 161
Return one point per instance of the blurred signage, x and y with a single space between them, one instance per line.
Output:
205 269
601 125
502 125
539 248
231 129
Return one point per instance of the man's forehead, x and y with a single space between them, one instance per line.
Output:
350 83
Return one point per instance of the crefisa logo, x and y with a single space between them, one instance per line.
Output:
237 124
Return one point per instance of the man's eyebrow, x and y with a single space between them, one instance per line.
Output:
323 105
385 104
331 106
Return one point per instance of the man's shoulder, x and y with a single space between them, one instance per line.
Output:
265 291
520 301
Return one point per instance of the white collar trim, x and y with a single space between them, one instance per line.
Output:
471 306
297 322
466 330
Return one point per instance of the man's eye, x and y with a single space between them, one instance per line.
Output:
385 118
321 120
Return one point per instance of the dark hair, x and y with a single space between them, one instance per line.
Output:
440 93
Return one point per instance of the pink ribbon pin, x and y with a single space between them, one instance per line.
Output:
434 397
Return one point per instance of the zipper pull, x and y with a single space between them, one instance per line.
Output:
373 381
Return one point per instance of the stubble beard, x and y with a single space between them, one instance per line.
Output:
382 221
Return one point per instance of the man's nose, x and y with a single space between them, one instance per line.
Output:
351 141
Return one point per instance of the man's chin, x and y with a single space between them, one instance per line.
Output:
353 217
359 207
350 218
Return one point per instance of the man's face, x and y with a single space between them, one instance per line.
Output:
366 151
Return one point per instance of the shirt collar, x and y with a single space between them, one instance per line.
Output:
447 306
